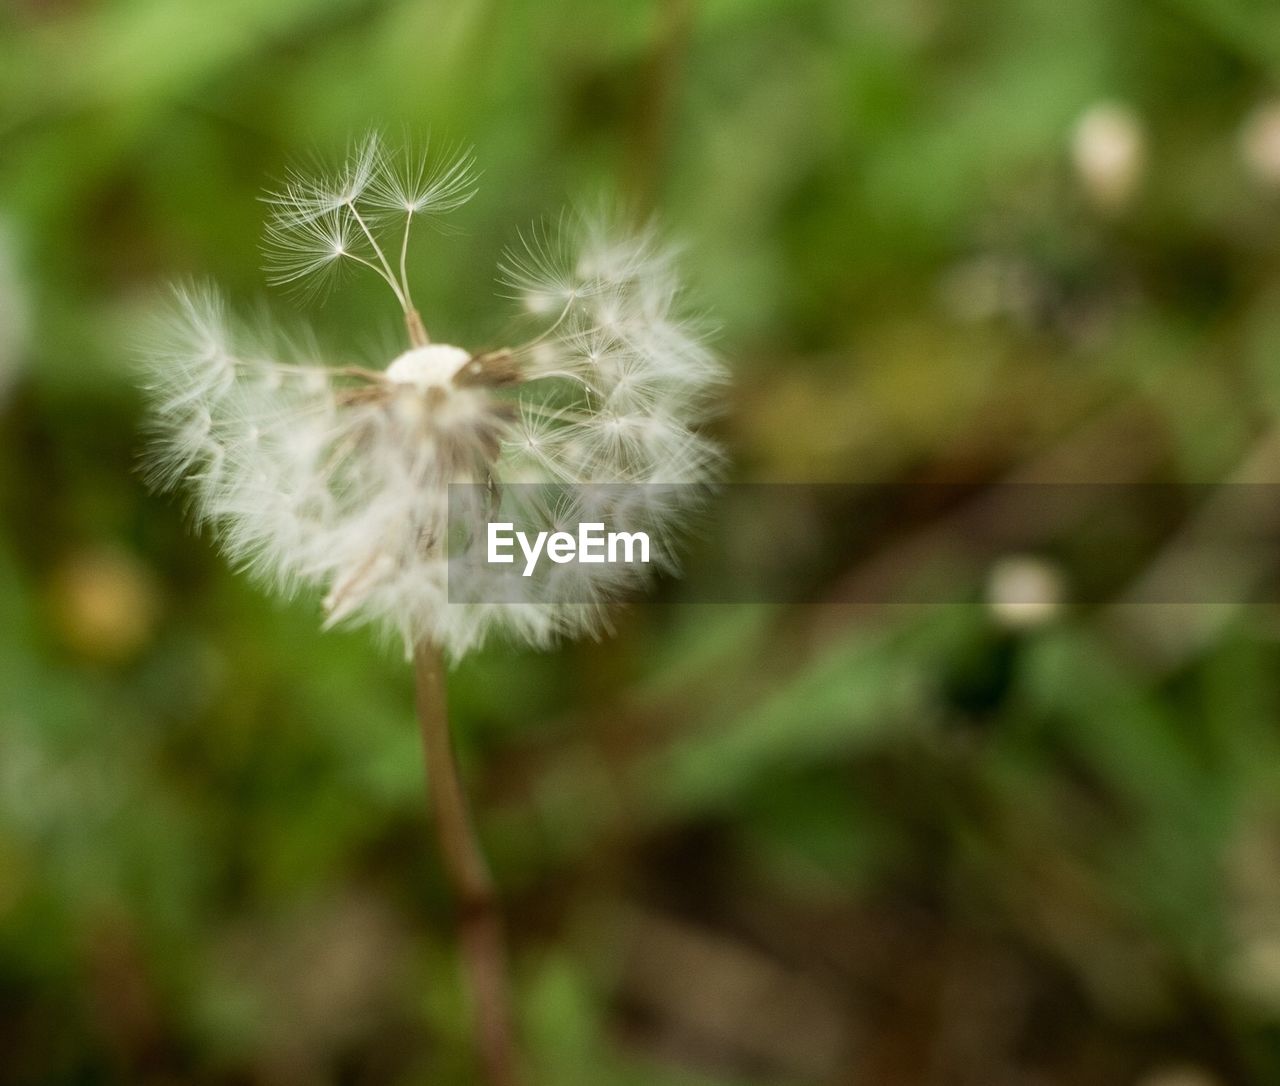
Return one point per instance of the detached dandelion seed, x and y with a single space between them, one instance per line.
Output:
335 477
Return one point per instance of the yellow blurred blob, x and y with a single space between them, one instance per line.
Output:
104 603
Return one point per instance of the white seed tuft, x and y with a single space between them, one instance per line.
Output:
338 478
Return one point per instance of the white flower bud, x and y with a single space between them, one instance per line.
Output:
1108 149
1024 592
1260 143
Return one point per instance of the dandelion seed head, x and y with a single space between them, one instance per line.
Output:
336 477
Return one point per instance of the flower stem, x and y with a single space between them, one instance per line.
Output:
481 940
387 273
404 255
417 330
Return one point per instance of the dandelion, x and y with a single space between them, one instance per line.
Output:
336 477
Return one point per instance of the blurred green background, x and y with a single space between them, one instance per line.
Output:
821 844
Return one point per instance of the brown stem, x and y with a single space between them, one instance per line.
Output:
417 330
480 934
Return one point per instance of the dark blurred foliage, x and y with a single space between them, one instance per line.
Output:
971 844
